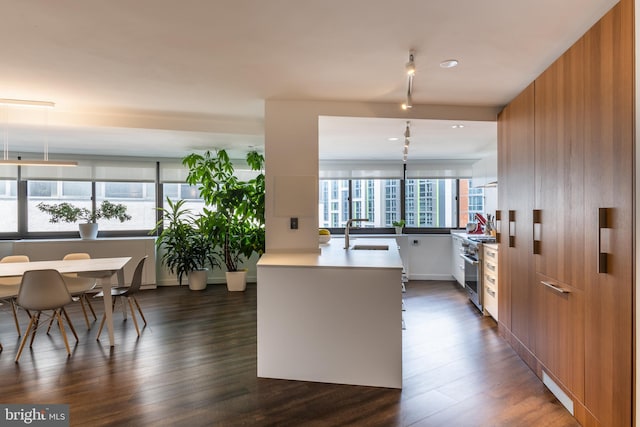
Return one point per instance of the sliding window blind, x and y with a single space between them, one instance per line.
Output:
95 170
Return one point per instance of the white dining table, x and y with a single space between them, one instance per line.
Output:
100 268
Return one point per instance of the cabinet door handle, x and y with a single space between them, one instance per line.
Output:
603 223
498 225
537 224
555 288
512 229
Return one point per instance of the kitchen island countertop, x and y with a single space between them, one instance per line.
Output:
334 255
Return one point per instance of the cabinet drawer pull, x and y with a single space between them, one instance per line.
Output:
490 279
537 223
555 288
491 267
492 293
512 229
603 223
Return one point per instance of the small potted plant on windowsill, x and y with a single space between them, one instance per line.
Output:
399 225
86 218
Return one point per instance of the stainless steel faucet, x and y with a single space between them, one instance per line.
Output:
346 229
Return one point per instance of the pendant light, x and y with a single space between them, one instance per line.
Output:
410 68
6 104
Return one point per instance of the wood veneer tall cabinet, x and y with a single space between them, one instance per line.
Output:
576 327
515 199
559 226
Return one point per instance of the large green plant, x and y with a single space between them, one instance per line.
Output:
234 208
66 212
185 241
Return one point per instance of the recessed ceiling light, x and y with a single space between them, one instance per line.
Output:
457 126
393 138
449 63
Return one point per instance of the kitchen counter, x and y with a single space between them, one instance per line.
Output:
334 255
332 317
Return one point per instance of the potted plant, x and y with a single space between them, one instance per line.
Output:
86 218
399 225
235 208
186 244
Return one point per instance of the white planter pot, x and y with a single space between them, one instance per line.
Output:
198 280
236 280
88 231
398 230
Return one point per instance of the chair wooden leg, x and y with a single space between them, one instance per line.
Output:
133 316
100 328
66 315
62 331
86 298
84 312
53 319
34 328
139 310
15 315
24 338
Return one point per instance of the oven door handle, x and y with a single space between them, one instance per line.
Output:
469 260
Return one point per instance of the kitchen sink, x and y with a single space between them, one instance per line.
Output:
370 247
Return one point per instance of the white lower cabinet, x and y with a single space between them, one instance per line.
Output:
457 263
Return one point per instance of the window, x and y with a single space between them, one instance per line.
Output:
471 202
431 202
8 206
428 203
78 193
334 203
376 199
138 197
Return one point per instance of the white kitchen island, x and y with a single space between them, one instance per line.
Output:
334 316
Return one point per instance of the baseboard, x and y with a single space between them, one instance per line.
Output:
210 281
578 410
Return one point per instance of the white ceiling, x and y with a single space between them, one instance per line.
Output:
164 77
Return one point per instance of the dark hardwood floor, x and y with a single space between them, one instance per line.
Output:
195 365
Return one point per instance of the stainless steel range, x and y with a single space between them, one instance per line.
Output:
472 256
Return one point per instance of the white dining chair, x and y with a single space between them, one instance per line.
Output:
78 286
128 294
9 287
41 291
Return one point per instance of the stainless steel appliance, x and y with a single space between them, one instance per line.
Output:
472 256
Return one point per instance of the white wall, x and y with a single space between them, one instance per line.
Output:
135 247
